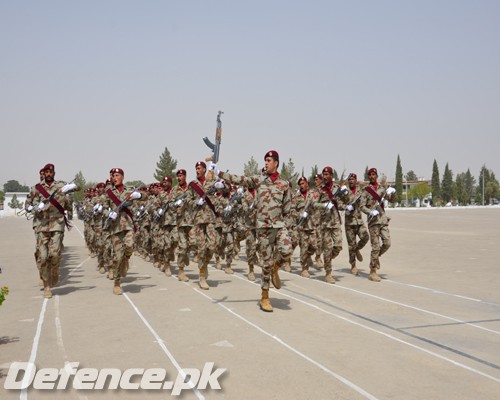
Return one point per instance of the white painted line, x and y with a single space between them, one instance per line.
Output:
34 349
161 343
345 381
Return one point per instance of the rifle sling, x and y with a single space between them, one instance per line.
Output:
375 195
54 202
117 201
202 194
333 200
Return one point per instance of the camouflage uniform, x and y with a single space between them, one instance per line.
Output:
250 223
184 225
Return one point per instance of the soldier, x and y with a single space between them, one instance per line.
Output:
354 225
184 223
372 204
306 235
273 207
200 199
98 222
250 223
50 204
331 222
120 225
316 219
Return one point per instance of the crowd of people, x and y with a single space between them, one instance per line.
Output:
209 217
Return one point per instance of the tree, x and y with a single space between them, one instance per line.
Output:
461 191
411 176
314 171
2 197
15 204
251 168
135 184
288 172
82 184
166 166
365 176
15 186
491 186
469 183
420 191
436 187
399 178
447 185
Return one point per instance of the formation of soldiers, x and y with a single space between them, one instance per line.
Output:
212 214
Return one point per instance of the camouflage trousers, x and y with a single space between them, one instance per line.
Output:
168 242
37 253
49 253
351 232
219 249
378 233
307 243
99 245
203 237
276 247
251 247
332 245
319 240
122 245
227 243
183 239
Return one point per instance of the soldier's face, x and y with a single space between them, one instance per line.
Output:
100 190
271 165
372 177
352 182
200 171
117 179
49 175
181 178
317 181
303 185
327 177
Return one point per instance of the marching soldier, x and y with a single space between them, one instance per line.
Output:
273 207
184 224
316 219
354 224
120 226
372 204
50 204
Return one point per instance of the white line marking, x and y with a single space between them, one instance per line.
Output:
161 343
345 381
34 349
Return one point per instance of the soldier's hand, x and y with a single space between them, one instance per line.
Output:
160 212
305 214
112 215
99 209
201 201
135 195
41 206
69 187
390 190
96 207
214 167
228 208
219 185
240 190
30 208
349 207
178 203
329 205
374 213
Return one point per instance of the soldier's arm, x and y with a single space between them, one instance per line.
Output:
246 181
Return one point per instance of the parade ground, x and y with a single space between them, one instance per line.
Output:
429 330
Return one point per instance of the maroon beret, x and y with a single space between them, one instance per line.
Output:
167 179
201 163
328 169
302 179
100 184
318 176
272 153
49 167
181 172
116 171
372 170
352 175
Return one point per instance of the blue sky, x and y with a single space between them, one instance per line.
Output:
99 84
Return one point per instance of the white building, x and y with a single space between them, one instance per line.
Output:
21 198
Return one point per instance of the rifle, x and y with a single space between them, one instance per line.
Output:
355 200
48 199
306 208
235 198
377 207
215 147
124 203
24 212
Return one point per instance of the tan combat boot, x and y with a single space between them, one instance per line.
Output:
228 269
251 275
275 278
329 278
117 289
287 267
166 269
156 262
354 270
182 276
305 273
46 290
203 280
102 270
319 262
110 274
373 275
218 263
265 303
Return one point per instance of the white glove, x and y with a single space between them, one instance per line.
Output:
178 203
99 209
95 207
349 207
240 190
305 214
30 208
161 211
135 195
201 201
68 187
228 208
374 213
329 205
390 190
112 215
215 168
219 185
343 188
41 206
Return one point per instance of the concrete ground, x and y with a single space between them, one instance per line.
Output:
429 330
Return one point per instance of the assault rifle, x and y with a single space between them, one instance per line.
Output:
234 199
377 207
215 147
124 204
306 209
48 199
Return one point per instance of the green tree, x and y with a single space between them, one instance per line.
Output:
411 176
251 168
314 171
399 178
460 189
82 184
288 172
365 176
491 186
419 191
15 186
15 203
447 185
166 166
469 183
2 197
436 187
135 184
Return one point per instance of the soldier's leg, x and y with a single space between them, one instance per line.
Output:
350 234
319 247
304 254
251 252
230 236
386 239
55 249
375 243
328 245
182 256
201 240
43 242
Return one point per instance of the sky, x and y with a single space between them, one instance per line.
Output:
93 85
